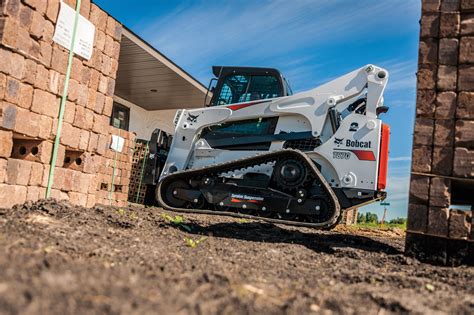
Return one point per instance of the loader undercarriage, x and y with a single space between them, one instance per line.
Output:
296 193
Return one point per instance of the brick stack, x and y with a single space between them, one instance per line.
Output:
443 141
137 191
32 74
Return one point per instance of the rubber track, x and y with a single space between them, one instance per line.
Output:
248 162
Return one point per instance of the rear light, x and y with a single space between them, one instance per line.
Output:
383 157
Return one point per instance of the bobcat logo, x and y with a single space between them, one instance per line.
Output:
338 141
354 126
192 118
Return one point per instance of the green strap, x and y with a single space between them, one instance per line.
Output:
63 103
141 172
112 187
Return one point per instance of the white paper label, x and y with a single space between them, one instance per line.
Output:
85 32
117 143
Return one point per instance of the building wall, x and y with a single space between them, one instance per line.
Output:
32 75
443 140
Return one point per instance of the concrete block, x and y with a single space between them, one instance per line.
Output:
423 134
459 224
448 51
438 221
419 189
467 24
465 108
466 78
417 218
442 163
429 26
426 77
466 51
464 133
443 133
440 192
449 24
445 105
447 76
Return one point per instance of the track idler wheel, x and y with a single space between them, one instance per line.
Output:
171 192
289 174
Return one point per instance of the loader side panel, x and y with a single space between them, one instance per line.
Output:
383 163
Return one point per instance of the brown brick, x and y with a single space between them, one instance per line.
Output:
69 112
54 82
110 87
444 133
26 95
3 85
29 72
6 143
5 63
465 109
100 102
447 76
109 46
430 5
106 65
113 71
450 5
466 52
93 140
11 7
36 175
48 32
98 17
3 170
73 91
99 40
70 135
35 193
428 51
85 76
59 60
423 134
84 140
37 25
438 221
18 172
442 161
76 71
31 128
94 81
39 5
459 224
426 77
102 144
449 24
440 192
45 125
466 78
465 133
467 24
11 195
116 51
17 66
81 182
419 189
85 8
12 91
82 94
421 159
91 201
52 10
45 103
80 117
42 75
59 195
417 218
467 4
103 84
445 105
8 115
77 198
46 53
10 33
101 124
448 51
89 119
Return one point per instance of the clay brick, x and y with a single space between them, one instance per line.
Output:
70 135
98 17
11 195
110 87
109 46
450 5
89 119
116 51
91 201
101 124
46 53
467 24
17 66
69 112
91 163
464 133
3 170
113 71
426 77
81 182
459 224
76 71
423 134
442 161
41 80
38 5
82 94
430 5
466 78
103 84
438 221
85 8
421 159
37 25
54 82
77 198
448 51
428 51
102 144
100 38
93 141
29 72
85 76
10 33
18 172
440 192
26 96
449 24
466 52
45 127
108 105
94 80
417 218
31 128
444 133
73 90
445 105
91 100
52 10
8 115
465 109
100 102
106 67
48 32
36 176
45 103
10 7
6 143
419 189
447 76
467 4
59 195
59 60
12 91
35 193
3 85
84 140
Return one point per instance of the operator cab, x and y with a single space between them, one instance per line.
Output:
246 84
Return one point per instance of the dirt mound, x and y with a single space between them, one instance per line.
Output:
57 258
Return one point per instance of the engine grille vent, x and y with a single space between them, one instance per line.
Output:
302 145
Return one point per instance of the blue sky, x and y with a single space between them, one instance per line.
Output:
311 42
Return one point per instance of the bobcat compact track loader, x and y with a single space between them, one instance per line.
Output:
260 152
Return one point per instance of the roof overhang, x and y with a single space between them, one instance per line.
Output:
148 79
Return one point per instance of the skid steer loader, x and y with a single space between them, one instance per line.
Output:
257 151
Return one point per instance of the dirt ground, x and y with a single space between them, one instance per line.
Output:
60 259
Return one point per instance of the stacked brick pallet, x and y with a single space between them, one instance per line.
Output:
137 190
443 141
32 75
